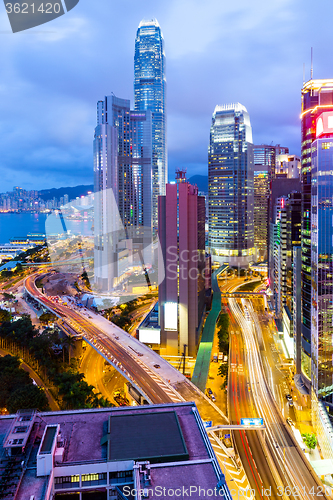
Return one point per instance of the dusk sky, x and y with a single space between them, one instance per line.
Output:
217 52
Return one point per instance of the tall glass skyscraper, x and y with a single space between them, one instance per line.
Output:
322 259
230 186
123 187
149 94
317 97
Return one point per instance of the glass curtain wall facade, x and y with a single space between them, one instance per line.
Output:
150 94
261 193
265 156
230 186
322 267
122 184
317 96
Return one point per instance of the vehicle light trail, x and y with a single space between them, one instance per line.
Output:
295 477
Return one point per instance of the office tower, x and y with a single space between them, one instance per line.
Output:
280 186
280 255
265 157
261 195
322 258
181 230
297 308
150 94
317 97
230 186
122 183
287 166
286 233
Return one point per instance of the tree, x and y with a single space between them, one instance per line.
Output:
29 396
223 333
19 267
85 279
8 296
310 440
223 321
16 387
4 315
224 372
69 342
47 317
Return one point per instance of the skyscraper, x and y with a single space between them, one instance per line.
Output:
322 258
261 193
181 230
317 97
230 186
285 234
265 157
122 183
150 94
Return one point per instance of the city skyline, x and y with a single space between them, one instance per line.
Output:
52 77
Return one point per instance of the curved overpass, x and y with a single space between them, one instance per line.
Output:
135 371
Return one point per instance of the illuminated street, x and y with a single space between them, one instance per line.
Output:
284 465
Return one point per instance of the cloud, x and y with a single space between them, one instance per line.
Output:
217 52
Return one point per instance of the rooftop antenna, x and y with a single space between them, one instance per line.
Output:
303 73
311 74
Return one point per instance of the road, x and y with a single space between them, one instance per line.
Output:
100 374
52 402
277 461
154 385
136 371
241 406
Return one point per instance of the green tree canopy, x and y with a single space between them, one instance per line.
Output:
223 333
29 396
310 440
47 317
17 390
223 371
4 315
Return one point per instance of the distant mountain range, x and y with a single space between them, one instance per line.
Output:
48 194
201 181
73 192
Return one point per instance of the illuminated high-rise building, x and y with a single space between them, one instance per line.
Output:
261 195
230 186
322 257
265 157
122 184
317 98
181 231
150 94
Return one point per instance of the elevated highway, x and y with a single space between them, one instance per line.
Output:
151 375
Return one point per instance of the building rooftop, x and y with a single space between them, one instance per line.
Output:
149 22
235 106
103 450
156 437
